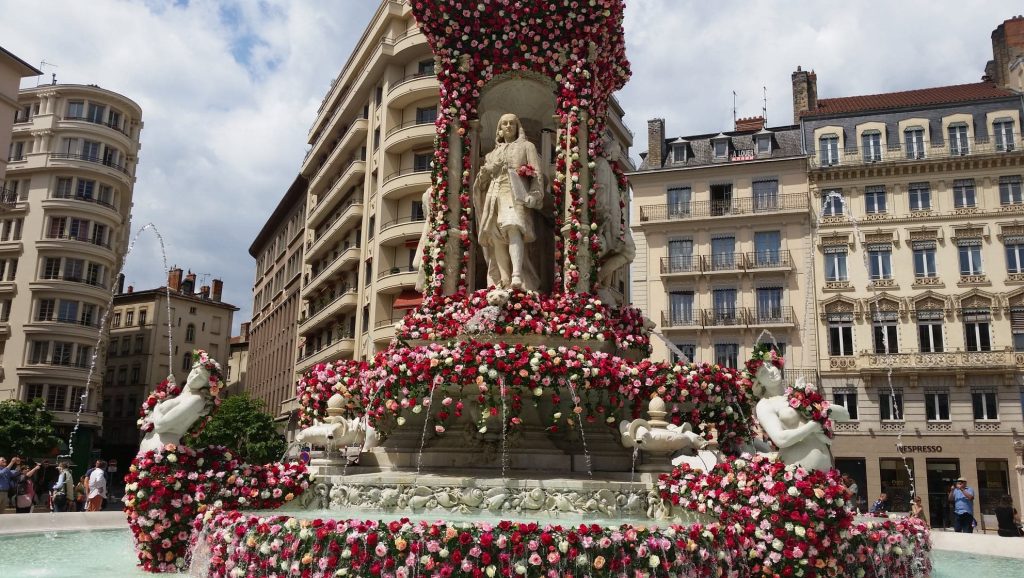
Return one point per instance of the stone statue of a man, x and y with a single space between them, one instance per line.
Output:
508 185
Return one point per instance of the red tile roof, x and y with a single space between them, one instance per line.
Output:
909 98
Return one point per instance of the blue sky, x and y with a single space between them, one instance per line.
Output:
229 89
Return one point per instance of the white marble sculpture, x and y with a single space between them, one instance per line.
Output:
503 199
800 441
617 246
658 437
335 431
174 416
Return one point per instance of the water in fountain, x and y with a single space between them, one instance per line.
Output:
504 431
859 236
426 420
83 400
577 412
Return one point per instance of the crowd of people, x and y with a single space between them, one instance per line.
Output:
28 488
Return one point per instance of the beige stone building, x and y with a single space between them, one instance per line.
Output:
238 361
12 70
278 250
920 283
722 225
137 355
70 177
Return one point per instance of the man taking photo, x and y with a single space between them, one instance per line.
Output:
962 498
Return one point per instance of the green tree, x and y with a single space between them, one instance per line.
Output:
26 429
242 425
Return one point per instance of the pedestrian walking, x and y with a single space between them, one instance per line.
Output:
96 487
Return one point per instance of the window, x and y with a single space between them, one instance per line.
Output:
112 346
83 356
63 188
94 275
91 150
767 248
680 255
724 306
847 399
976 330
136 374
143 313
913 142
764 144
840 334
117 320
880 261
73 269
678 200
1017 327
88 316
186 361
1009 190
76 109
114 119
832 204
376 138
958 139
46 309
769 304
929 330
139 344
126 346
924 259
835 264
963 194
129 318
890 405
828 149
62 351
190 333
721 199
56 397
688 350
766 195
122 376
985 403
192 310
1002 129
920 197
721 148
680 308
57 227
871 146
885 333
874 200
51 268
936 405
993 484
421 161
425 67
39 352
723 253
1014 254
970 256
679 151
426 115
727 354
96 113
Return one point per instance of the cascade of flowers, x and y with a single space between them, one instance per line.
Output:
579 45
166 489
795 522
400 381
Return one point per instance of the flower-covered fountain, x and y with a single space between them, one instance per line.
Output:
503 431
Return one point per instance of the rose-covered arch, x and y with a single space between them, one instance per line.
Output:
580 45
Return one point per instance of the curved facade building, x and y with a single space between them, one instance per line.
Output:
63 228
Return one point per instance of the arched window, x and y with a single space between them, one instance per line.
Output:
186 362
190 333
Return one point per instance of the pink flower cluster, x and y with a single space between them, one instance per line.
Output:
607 387
813 406
577 316
795 522
166 490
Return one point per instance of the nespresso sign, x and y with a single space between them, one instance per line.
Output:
919 449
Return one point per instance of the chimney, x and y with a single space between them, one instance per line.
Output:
1007 46
655 143
174 279
245 331
754 123
131 289
218 289
189 286
805 92
120 283
204 292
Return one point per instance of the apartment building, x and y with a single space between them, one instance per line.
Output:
722 225
141 353
278 250
919 257
70 176
238 362
12 70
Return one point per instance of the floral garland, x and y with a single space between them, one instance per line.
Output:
570 316
287 546
476 42
808 402
608 388
166 389
796 522
166 490
763 354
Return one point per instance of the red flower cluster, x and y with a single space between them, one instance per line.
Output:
608 388
577 316
796 522
809 402
526 171
166 490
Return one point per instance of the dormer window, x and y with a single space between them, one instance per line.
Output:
764 144
720 146
1002 129
828 149
871 145
680 152
958 143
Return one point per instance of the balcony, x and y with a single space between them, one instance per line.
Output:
354 168
781 316
723 317
742 207
384 331
341 347
897 153
953 361
685 319
341 262
395 279
753 262
400 230
405 182
79 239
90 159
112 126
411 88
697 319
409 135
327 311
349 214
8 198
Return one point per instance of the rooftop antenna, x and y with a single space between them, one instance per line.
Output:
734 107
43 63
764 105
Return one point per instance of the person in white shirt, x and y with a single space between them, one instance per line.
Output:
96 486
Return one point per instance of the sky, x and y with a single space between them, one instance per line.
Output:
229 88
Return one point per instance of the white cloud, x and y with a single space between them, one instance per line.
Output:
223 139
